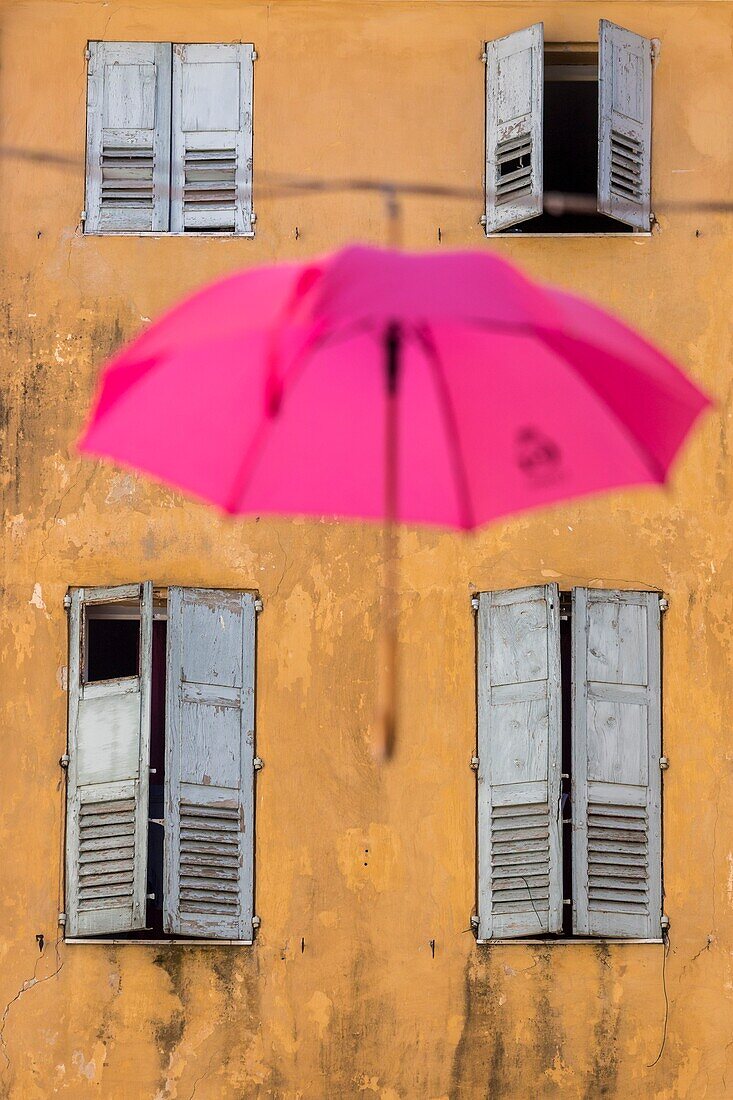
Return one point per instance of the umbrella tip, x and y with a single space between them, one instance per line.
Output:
383 745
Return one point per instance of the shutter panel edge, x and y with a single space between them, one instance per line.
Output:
594 921
622 154
490 926
209 925
109 918
127 220
203 220
500 211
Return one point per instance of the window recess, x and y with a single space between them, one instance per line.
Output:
569 781
160 831
169 138
569 118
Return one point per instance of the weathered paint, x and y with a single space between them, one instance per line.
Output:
359 869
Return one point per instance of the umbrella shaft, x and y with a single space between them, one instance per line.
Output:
392 349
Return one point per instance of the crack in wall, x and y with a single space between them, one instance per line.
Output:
27 985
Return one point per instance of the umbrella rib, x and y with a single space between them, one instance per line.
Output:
254 450
427 342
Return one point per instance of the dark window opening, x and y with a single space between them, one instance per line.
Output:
570 144
566 657
156 805
112 645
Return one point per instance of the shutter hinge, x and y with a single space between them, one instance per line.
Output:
83 216
256 922
258 764
255 55
474 763
664 922
259 606
474 603
87 53
253 217
475 922
663 763
655 49
483 219
67 602
663 604
484 57
64 760
62 919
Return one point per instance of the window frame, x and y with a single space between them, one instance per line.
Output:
249 57
160 612
569 48
566 608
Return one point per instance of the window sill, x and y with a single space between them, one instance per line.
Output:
156 235
556 236
562 942
93 940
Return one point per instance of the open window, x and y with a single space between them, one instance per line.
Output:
160 838
571 120
569 747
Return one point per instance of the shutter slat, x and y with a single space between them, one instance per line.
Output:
514 91
128 137
519 734
209 764
107 789
616 796
624 125
212 138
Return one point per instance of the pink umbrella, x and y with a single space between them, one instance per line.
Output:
444 388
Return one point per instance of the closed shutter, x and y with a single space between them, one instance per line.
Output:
519 744
514 82
616 791
624 125
107 792
212 138
209 772
128 137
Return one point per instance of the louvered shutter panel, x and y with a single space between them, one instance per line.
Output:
514 83
128 137
624 125
519 745
209 815
212 138
616 790
107 786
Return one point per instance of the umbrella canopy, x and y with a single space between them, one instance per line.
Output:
294 388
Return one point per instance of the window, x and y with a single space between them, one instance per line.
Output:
169 138
159 830
575 120
569 781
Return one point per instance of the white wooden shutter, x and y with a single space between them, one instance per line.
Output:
624 125
128 137
514 82
212 138
107 788
209 772
616 786
520 755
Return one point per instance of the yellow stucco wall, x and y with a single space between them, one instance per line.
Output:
341 996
